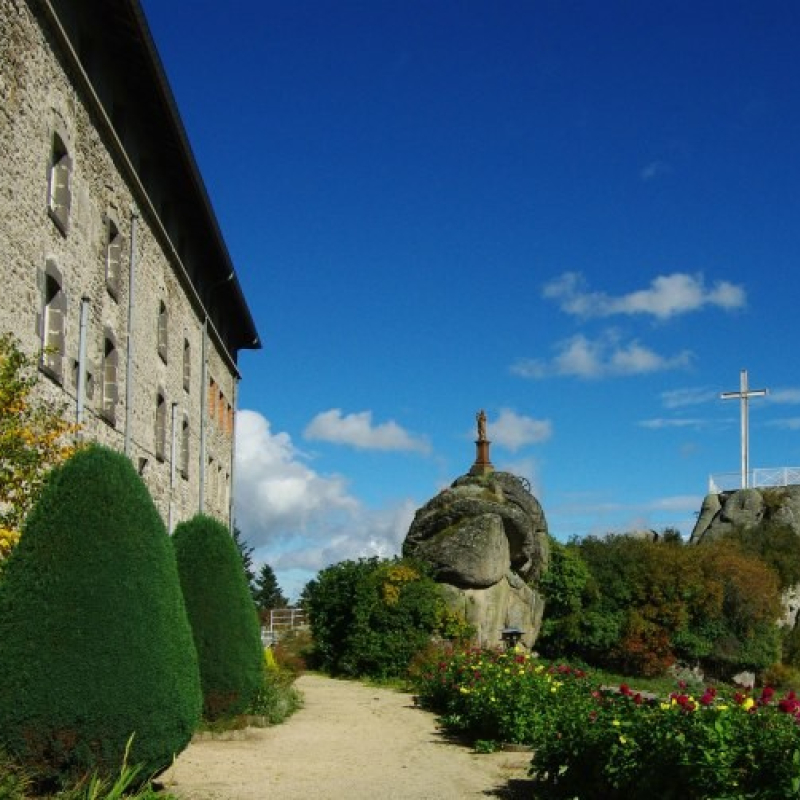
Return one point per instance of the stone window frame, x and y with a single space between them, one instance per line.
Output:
53 321
160 428
162 332
211 480
110 378
185 449
212 398
112 254
59 178
187 364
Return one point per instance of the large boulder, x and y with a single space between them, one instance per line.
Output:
746 508
485 538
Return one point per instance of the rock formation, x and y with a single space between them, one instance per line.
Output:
486 539
746 508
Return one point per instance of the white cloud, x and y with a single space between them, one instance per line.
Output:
787 423
693 396
784 397
298 520
357 430
661 423
277 494
513 431
667 296
606 356
527 468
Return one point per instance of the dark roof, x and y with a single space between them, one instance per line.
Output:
124 45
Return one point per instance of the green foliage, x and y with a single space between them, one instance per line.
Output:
246 554
224 623
33 436
598 744
96 645
267 593
276 698
126 785
776 544
638 606
14 780
369 617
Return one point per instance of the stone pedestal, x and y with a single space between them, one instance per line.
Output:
482 465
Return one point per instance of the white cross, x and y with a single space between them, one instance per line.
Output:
744 394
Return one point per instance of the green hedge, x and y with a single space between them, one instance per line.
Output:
223 616
96 645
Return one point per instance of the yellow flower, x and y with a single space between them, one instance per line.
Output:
748 704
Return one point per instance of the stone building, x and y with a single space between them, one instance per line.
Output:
113 265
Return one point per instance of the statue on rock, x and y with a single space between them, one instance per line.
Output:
485 538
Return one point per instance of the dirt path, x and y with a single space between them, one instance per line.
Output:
348 742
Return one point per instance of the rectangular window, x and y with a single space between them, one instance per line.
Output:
113 258
53 323
212 398
162 330
59 197
110 390
185 447
187 365
161 427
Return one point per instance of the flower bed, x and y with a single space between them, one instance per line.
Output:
590 742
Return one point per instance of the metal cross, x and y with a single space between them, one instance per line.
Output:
744 394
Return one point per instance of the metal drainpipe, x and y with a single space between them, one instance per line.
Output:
231 497
203 415
81 399
172 450
129 360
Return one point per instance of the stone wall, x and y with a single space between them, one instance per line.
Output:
41 93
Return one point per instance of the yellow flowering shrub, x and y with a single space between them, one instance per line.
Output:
8 539
34 437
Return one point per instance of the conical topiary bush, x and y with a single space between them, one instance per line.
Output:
95 644
222 614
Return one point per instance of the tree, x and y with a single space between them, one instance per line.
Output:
267 592
33 439
646 604
96 645
246 554
222 615
371 616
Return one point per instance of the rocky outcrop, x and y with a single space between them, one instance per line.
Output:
485 538
746 508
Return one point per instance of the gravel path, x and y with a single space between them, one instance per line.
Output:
348 742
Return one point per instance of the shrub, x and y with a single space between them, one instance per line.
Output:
291 650
14 782
276 698
369 617
223 617
639 606
96 645
600 744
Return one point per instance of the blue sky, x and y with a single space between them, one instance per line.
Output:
580 216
